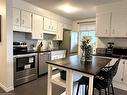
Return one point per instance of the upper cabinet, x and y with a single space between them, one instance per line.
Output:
112 24
103 24
16 17
22 20
50 25
119 24
37 27
59 34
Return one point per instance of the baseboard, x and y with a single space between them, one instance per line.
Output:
120 85
6 89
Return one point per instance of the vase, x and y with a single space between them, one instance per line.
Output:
86 53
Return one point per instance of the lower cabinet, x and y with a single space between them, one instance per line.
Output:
58 54
120 79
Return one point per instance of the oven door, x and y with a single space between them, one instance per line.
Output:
25 68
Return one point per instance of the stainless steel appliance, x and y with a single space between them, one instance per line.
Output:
19 48
109 49
43 67
25 64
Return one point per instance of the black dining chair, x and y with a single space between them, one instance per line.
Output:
103 80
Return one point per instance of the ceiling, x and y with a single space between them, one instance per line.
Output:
86 8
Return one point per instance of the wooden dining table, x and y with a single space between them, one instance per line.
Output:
74 64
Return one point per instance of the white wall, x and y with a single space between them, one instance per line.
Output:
6 48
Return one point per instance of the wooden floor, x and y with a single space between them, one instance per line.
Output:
39 87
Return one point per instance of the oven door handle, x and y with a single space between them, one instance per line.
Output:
25 55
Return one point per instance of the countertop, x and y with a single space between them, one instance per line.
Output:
111 56
35 51
74 63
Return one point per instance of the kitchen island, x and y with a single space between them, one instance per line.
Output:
73 64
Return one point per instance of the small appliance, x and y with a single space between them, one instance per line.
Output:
109 49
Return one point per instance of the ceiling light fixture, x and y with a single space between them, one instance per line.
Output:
67 8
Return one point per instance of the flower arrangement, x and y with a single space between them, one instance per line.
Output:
86 40
86 48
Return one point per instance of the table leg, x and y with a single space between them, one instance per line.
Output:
49 87
69 82
90 91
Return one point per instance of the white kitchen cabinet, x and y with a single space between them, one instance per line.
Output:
47 22
119 75
112 24
103 24
119 24
22 20
125 73
37 29
67 26
53 25
59 34
50 25
58 54
16 17
26 18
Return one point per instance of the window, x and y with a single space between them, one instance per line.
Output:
89 29
92 34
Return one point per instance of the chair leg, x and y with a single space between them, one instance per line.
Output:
112 89
105 91
100 92
78 89
108 91
86 89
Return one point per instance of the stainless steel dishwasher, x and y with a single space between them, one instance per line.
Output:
42 65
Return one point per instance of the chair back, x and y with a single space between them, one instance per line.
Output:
104 78
115 67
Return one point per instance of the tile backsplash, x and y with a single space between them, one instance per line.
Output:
27 37
118 42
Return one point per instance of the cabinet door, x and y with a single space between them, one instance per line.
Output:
37 27
53 25
16 17
59 34
26 19
125 73
119 75
103 24
47 24
119 24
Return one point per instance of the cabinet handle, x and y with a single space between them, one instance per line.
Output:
22 21
123 62
52 27
105 31
113 31
121 79
17 20
126 33
41 35
49 27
